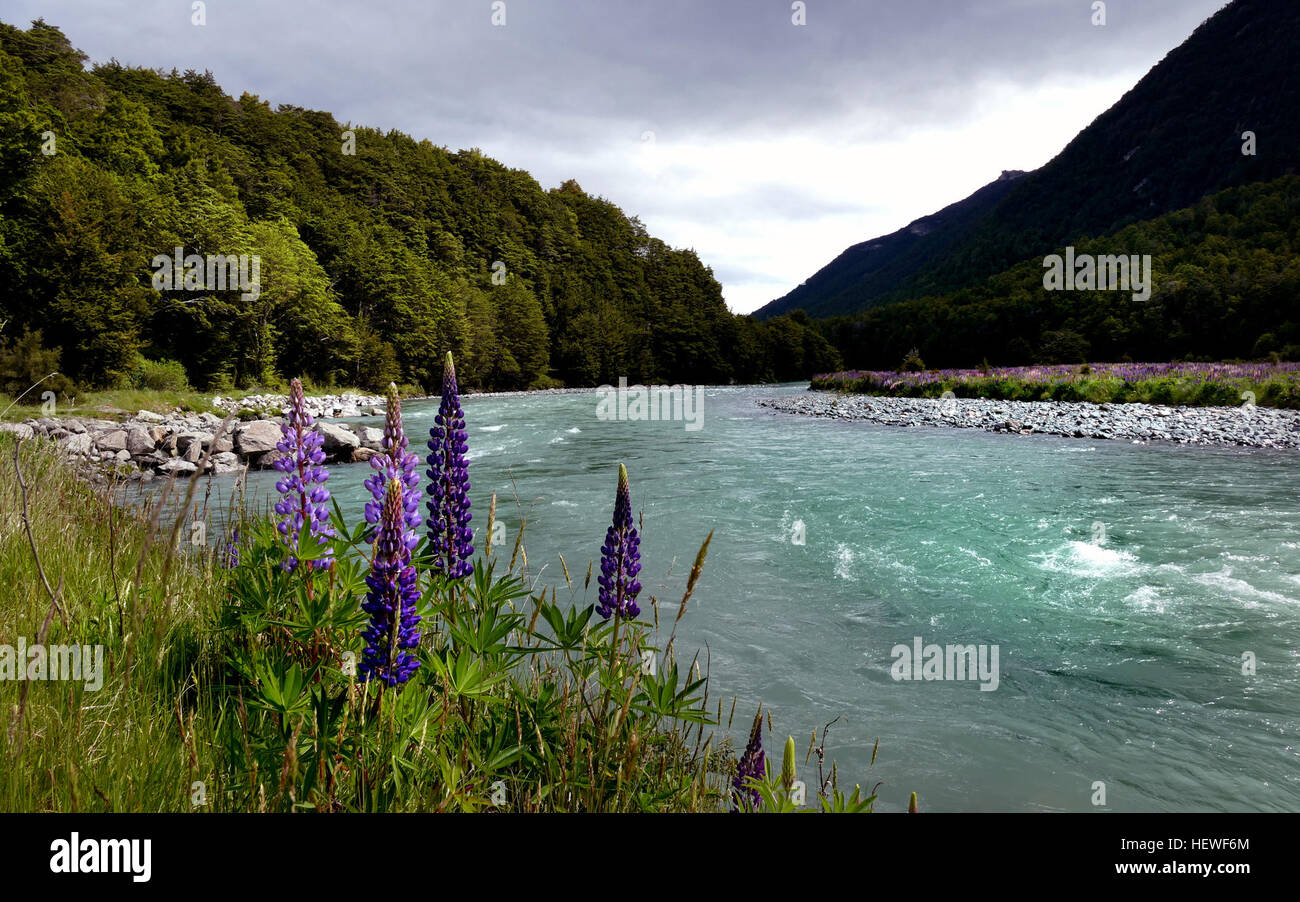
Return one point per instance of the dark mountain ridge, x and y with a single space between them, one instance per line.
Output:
1176 137
863 275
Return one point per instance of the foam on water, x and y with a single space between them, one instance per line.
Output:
1090 561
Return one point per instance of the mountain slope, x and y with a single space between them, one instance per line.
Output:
1226 274
1173 139
863 274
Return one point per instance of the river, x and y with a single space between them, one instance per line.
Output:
1126 589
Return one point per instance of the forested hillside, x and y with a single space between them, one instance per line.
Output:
1179 135
378 253
1227 285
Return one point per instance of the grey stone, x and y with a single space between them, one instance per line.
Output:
20 431
113 441
337 438
186 440
76 444
148 416
257 437
178 467
139 441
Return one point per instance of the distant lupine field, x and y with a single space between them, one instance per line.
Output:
1193 384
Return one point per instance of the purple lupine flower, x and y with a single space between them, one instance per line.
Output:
753 763
304 496
230 551
392 598
395 462
620 558
448 504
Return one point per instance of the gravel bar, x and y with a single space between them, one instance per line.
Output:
1247 426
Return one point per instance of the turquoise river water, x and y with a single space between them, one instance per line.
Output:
1123 586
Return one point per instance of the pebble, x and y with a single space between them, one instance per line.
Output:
1250 427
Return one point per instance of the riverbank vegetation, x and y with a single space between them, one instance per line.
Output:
1179 384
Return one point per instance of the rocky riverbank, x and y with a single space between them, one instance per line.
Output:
149 445
1252 427
263 406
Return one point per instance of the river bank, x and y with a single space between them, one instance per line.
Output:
147 445
1246 426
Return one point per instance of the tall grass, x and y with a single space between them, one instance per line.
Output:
233 689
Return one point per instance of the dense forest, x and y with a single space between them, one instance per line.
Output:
377 252
1227 286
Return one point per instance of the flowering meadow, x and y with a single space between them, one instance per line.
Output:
303 663
1190 384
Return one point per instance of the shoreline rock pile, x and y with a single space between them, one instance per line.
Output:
148 445
1251 427
341 406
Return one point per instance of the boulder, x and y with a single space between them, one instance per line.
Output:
223 444
76 444
157 433
265 461
338 438
194 453
187 440
370 437
113 441
361 455
148 416
139 441
178 467
226 462
256 437
20 431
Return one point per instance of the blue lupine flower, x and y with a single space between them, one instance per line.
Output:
230 551
392 598
753 763
304 498
448 504
620 558
395 462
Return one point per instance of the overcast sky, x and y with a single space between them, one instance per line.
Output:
767 146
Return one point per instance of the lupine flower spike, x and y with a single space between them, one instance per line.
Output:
448 504
753 763
620 558
230 551
304 498
395 462
392 598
